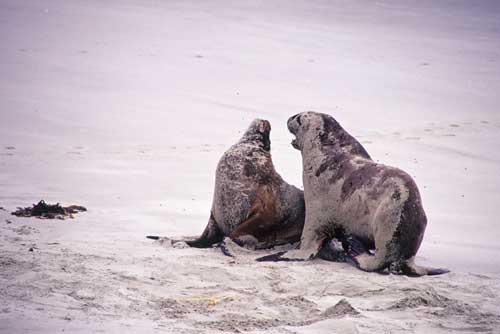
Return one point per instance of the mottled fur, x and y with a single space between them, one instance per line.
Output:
252 204
345 189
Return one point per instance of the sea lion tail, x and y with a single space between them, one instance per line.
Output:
409 268
211 235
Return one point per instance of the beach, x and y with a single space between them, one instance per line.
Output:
125 107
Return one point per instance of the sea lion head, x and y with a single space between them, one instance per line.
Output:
312 128
258 133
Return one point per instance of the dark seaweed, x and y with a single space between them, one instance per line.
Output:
49 211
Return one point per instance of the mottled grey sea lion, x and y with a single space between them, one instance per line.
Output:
351 197
252 204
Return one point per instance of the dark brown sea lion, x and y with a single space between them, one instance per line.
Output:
351 197
252 204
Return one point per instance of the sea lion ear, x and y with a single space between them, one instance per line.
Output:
264 127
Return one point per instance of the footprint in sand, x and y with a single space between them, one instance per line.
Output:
76 150
452 125
24 230
9 150
206 148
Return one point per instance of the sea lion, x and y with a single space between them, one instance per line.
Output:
252 204
349 196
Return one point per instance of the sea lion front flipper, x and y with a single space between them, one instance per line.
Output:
257 231
232 249
223 245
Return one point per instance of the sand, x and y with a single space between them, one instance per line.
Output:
125 107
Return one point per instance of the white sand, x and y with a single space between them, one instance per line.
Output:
125 107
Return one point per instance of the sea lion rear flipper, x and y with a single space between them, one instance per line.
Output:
211 235
291 255
436 271
409 268
277 257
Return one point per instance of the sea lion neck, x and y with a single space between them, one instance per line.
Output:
341 142
335 139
